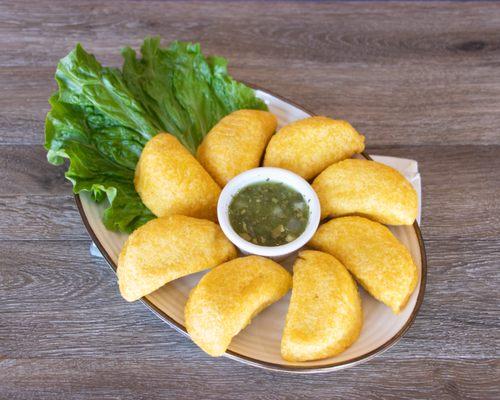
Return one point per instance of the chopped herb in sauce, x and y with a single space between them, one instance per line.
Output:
268 213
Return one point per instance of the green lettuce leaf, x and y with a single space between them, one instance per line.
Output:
185 93
96 166
101 118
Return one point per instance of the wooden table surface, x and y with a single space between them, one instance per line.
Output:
419 80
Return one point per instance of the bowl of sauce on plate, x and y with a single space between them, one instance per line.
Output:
268 211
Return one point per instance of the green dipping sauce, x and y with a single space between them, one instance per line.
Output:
268 213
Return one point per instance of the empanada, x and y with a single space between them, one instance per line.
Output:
366 188
325 316
378 261
236 143
171 181
168 248
308 146
229 296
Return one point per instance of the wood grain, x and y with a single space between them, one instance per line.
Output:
401 73
417 379
420 80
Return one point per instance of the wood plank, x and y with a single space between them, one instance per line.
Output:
117 379
309 30
393 81
35 217
25 170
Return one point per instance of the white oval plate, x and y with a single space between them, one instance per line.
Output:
259 343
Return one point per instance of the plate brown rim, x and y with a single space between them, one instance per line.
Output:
265 364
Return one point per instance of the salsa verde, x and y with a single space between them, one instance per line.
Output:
268 213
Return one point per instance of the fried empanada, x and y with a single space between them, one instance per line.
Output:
325 316
378 261
366 188
171 181
308 146
236 143
168 248
229 296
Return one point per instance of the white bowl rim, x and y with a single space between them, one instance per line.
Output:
303 369
272 174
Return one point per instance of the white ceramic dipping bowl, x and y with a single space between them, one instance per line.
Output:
272 175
